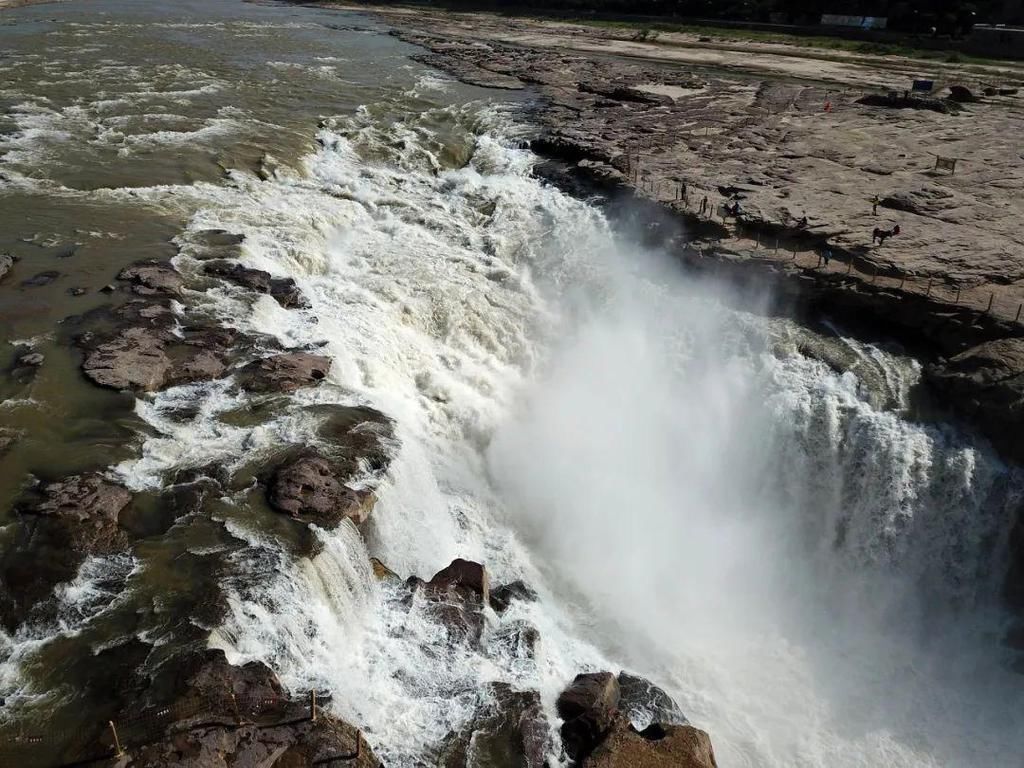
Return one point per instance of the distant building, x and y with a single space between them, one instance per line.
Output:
996 40
861 22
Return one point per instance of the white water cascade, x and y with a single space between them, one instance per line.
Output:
810 575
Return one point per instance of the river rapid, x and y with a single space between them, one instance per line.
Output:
811 571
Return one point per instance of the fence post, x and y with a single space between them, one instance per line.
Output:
117 741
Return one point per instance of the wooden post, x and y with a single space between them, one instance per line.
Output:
312 705
988 309
1017 318
117 741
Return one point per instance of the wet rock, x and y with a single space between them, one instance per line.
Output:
34 359
658 746
510 730
381 571
153 278
286 372
464 576
588 708
310 489
282 289
6 263
644 703
148 355
517 639
134 359
74 518
108 288
985 385
216 238
202 711
456 597
77 291
503 596
41 279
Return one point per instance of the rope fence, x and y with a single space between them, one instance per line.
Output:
64 748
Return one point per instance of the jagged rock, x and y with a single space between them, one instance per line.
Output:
153 278
6 263
897 101
77 291
282 289
286 372
501 597
75 518
588 707
511 730
311 489
517 639
381 571
41 279
462 575
206 712
644 703
658 746
456 597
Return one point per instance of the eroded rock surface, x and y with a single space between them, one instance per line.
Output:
286 372
282 289
153 278
73 519
310 489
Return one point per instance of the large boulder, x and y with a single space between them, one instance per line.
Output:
311 489
588 708
658 746
71 520
456 597
643 703
286 372
149 357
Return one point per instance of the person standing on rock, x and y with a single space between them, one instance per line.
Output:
874 205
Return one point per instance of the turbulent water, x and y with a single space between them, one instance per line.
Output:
811 574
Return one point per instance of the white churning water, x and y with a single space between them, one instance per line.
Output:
810 575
